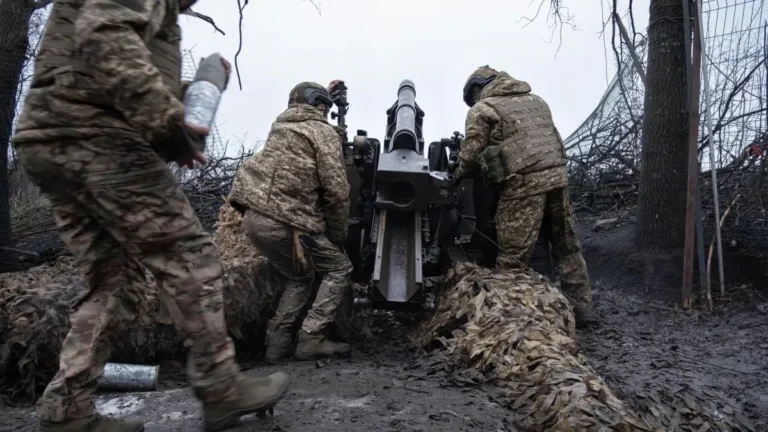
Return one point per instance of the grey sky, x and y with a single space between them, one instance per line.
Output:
375 44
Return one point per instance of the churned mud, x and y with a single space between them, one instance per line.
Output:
709 369
364 392
648 348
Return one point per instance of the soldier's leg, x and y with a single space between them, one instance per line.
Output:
275 241
144 207
517 229
115 284
332 263
114 280
566 250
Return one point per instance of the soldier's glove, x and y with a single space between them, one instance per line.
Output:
184 145
458 176
342 133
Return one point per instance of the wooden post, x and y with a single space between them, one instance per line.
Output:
693 161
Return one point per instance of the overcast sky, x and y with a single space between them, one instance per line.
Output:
375 44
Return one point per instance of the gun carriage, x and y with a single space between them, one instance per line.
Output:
408 218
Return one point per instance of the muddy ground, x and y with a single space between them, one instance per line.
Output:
377 389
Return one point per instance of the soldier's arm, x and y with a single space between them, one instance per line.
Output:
333 182
480 121
110 35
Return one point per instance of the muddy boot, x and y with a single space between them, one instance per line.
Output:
253 395
584 317
278 347
96 423
316 345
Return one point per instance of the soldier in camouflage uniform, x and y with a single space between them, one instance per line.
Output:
102 119
295 197
511 139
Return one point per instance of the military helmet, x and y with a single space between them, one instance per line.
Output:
310 93
479 79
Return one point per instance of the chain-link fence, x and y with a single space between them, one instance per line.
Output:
605 150
737 49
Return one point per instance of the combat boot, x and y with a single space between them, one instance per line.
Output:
278 347
96 423
584 317
251 395
311 346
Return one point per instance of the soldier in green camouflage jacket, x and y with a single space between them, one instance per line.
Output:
295 197
102 118
512 141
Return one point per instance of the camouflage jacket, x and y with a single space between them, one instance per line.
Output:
483 125
112 82
299 177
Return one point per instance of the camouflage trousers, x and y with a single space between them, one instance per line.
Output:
518 223
116 205
276 241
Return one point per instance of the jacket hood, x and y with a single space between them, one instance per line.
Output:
300 113
504 85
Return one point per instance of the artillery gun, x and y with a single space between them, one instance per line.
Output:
408 218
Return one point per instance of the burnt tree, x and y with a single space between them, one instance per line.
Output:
15 16
661 210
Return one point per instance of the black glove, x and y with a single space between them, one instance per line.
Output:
181 141
458 175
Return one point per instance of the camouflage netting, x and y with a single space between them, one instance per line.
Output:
517 332
35 307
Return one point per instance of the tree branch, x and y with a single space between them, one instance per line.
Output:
205 18
559 14
241 6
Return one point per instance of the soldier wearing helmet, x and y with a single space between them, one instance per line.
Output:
101 120
513 143
294 196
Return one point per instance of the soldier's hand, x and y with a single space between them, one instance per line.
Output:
457 172
194 155
334 85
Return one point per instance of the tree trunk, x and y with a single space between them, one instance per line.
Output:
15 16
661 213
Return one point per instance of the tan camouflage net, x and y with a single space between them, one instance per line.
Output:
518 333
35 307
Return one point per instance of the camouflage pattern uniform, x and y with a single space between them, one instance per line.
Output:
104 103
295 197
514 125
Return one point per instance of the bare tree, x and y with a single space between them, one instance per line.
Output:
15 16
661 213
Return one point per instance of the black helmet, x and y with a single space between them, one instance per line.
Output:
479 79
310 93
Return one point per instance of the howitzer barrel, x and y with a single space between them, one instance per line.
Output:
405 130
